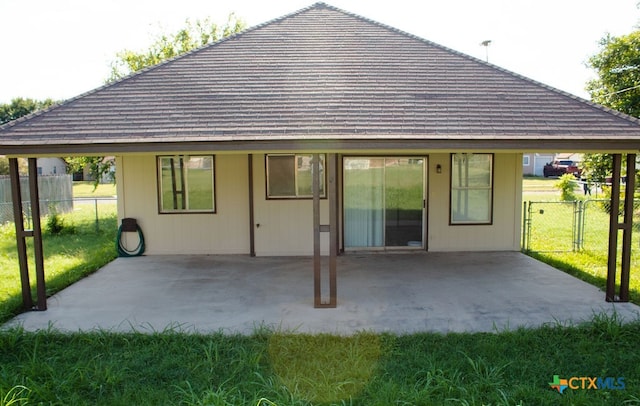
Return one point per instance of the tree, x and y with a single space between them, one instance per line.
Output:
21 107
618 68
617 65
99 167
192 36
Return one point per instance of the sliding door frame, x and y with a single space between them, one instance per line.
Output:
425 205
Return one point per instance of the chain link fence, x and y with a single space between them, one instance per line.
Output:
55 192
96 208
570 226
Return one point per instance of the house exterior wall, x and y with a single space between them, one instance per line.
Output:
539 161
223 232
285 226
527 164
503 234
51 166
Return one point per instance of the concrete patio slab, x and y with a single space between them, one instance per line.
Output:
401 293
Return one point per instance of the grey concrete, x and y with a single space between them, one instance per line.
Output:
401 293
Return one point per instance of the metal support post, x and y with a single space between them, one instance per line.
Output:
37 234
332 228
21 234
613 230
626 226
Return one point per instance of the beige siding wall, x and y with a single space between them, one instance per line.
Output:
285 227
503 234
225 232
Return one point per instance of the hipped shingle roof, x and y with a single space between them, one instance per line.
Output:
322 74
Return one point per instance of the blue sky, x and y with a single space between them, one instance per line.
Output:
63 48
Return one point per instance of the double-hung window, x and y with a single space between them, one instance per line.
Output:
186 184
290 176
471 189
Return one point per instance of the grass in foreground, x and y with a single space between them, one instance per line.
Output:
81 248
273 368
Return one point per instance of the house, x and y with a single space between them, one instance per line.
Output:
51 166
533 162
321 132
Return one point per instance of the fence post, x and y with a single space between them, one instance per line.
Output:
527 227
523 244
578 226
97 220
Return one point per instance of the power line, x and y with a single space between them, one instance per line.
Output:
621 91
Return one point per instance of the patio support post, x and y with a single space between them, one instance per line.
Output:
613 230
252 220
332 163
331 190
626 226
21 234
37 234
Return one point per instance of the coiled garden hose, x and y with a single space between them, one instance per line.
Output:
123 251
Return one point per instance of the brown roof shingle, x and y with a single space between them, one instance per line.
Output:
323 74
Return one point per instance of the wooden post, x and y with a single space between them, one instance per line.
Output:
332 228
332 189
317 269
627 230
613 230
252 220
37 234
627 227
27 300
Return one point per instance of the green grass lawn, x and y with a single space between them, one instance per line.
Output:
551 239
81 248
88 189
273 368
283 368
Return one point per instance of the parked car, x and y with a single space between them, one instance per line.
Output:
559 168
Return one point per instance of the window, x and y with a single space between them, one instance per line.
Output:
186 184
471 188
525 160
290 176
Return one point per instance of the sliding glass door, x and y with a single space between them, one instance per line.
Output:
383 202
